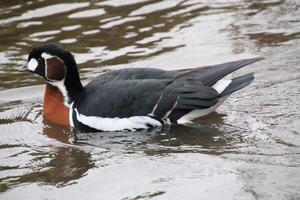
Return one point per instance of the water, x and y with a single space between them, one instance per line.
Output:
248 149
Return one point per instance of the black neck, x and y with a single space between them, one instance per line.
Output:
72 80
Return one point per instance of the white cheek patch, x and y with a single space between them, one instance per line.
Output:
46 56
32 64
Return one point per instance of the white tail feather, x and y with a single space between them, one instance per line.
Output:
221 85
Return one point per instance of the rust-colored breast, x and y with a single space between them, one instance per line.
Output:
54 109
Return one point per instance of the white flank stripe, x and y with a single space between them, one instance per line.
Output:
117 124
221 85
194 114
32 64
71 115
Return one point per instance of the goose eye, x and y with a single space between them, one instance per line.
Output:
40 60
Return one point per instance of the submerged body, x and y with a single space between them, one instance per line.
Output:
130 99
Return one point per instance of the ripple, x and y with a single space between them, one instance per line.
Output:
130 35
251 144
87 13
117 3
91 32
155 38
18 113
188 10
68 41
145 29
71 28
46 11
42 39
52 10
27 24
121 21
110 19
21 93
45 33
155 7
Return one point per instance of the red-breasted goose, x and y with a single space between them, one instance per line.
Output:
130 99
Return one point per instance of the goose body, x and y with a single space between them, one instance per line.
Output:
130 99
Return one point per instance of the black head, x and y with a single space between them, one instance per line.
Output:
55 64
50 61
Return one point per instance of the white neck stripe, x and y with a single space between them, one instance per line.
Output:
46 56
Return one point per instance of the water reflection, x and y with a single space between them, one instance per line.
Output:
56 164
250 152
120 35
204 137
60 133
60 163
63 166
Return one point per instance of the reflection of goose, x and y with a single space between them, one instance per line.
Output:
52 162
66 164
204 138
130 99
57 132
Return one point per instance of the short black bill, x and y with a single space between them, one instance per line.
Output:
24 69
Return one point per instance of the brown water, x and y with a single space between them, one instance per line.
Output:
249 149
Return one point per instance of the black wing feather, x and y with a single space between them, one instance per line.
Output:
211 74
144 91
121 98
238 83
116 97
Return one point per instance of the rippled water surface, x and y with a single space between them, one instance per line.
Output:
248 149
